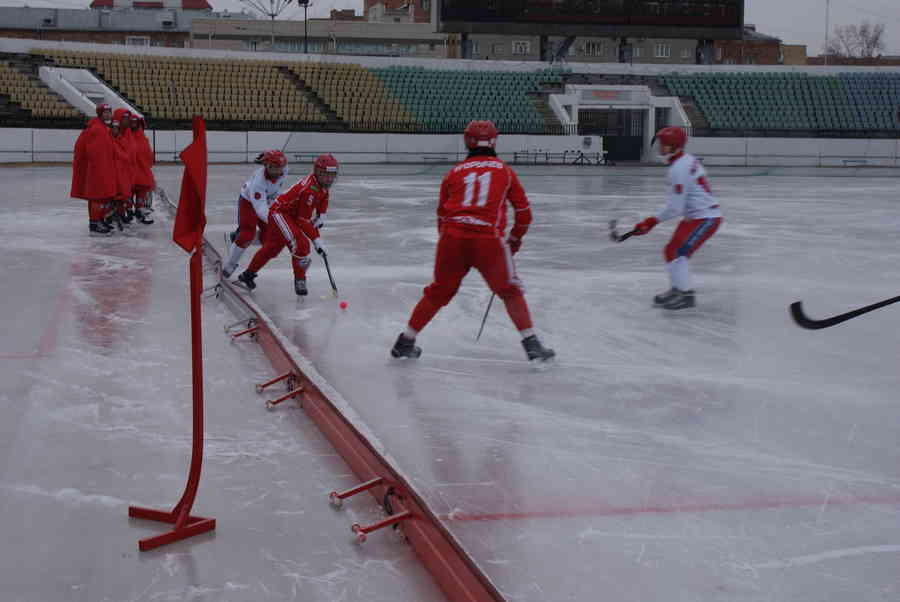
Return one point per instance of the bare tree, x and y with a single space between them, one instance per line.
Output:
856 41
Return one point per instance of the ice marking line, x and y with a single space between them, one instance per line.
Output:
823 556
50 336
602 510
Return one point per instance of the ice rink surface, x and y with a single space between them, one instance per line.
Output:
719 453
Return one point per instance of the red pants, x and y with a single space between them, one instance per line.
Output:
97 210
275 238
456 255
690 236
248 222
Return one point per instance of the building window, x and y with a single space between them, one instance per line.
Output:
686 53
474 48
520 48
497 49
137 41
637 52
719 53
595 48
426 5
663 51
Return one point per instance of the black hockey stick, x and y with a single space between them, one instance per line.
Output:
484 319
804 321
615 236
330 277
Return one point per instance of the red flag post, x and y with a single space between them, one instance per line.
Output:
190 220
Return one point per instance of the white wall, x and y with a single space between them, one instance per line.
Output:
29 145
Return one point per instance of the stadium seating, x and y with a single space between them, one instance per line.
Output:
446 100
793 101
31 94
356 96
177 88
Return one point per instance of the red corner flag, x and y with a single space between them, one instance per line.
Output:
190 219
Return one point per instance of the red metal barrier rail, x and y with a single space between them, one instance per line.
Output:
452 568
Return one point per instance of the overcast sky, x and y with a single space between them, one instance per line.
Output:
794 21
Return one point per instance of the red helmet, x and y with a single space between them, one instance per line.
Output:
481 134
673 137
102 107
272 157
326 170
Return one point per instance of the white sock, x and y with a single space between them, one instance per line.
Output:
234 256
526 333
409 333
680 274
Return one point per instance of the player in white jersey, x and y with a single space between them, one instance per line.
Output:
257 194
690 198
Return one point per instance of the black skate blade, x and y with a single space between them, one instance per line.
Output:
542 365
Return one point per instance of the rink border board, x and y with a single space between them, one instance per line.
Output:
454 571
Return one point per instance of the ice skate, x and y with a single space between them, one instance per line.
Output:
228 270
405 347
682 300
663 298
99 228
535 351
300 287
142 217
246 279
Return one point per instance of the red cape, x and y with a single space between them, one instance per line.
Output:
143 160
93 172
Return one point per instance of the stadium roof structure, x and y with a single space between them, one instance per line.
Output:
160 4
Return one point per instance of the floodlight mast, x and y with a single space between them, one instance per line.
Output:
273 10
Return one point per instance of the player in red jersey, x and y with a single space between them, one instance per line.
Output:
294 220
471 223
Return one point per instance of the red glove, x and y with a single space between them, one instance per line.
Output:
514 244
645 226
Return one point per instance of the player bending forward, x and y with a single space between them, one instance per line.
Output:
292 224
257 194
471 222
690 198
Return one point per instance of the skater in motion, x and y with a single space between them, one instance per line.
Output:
689 197
257 195
471 223
294 220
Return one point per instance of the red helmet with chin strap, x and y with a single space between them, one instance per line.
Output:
480 134
326 169
103 107
272 157
673 137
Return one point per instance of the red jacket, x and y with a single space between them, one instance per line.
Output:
143 157
93 168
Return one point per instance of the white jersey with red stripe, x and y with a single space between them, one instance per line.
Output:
261 192
688 194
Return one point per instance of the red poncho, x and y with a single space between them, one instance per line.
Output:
143 157
93 170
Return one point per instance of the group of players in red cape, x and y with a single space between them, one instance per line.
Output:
112 170
471 219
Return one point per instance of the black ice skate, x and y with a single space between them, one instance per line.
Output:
233 235
300 287
682 300
663 298
405 347
246 279
142 217
536 351
99 227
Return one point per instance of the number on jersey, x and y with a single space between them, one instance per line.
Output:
476 186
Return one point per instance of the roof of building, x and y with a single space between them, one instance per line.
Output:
160 4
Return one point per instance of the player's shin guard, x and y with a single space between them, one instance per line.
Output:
424 311
231 262
517 308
